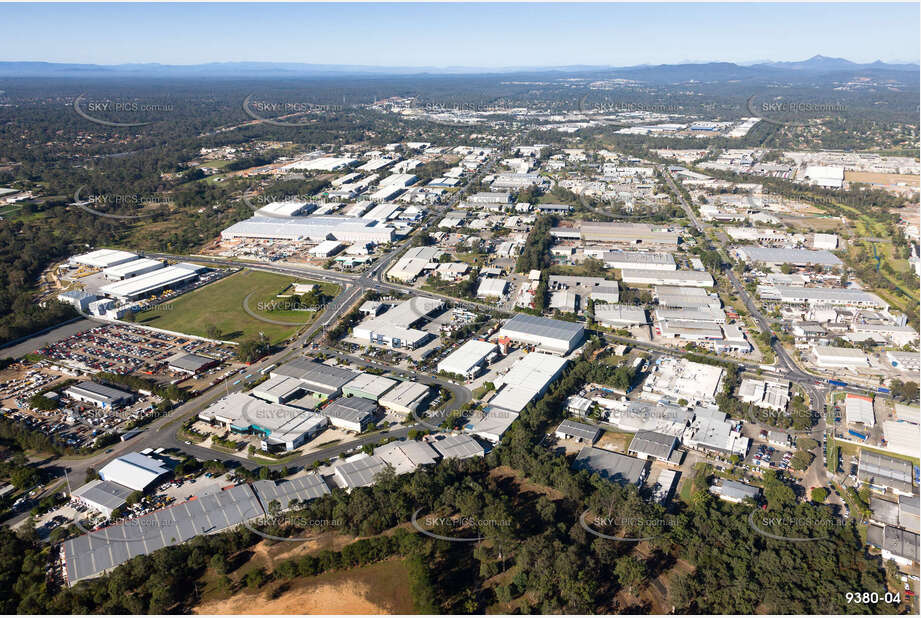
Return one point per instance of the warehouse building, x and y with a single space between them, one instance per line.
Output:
133 470
281 427
102 496
554 336
526 380
396 327
611 466
134 268
652 445
368 386
678 297
279 389
359 471
284 209
321 380
689 278
190 364
633 260
414 262
701 314
770 394
152 282
571 430
859 409
96 553
103 258
793 257
620 316
846 297
883 472
712 432
622 234
678 379
490 197
831 357
607 292
351 413
896 544
491 288
734 491
469 359
77 299
460 446
99 395
405 397
492 425
902 438
313 228
405 456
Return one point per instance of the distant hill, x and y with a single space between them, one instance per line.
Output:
714 71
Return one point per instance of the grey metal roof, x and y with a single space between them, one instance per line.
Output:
459 447
189 362
96 552
303 488
611 466
361 472
350 409
579 430
652 443
93 553
740 491
104 493
879 469
902 543
884 511
315 375
791 256
99 391
543 327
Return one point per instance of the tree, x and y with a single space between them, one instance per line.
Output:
819 494
630 571
256 578
212 332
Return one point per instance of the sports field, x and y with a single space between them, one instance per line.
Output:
221 305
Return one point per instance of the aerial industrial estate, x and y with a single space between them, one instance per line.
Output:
589 346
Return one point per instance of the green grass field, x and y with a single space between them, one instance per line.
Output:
221 304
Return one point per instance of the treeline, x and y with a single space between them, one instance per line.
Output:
536 253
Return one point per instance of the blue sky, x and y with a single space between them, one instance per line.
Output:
478 35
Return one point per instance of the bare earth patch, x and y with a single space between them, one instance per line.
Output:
380 588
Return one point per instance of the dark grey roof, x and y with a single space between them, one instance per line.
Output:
652 443
884 511
101 391
544 327
351 409
902 543
579 430
611 466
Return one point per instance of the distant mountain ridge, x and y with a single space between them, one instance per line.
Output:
687 70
